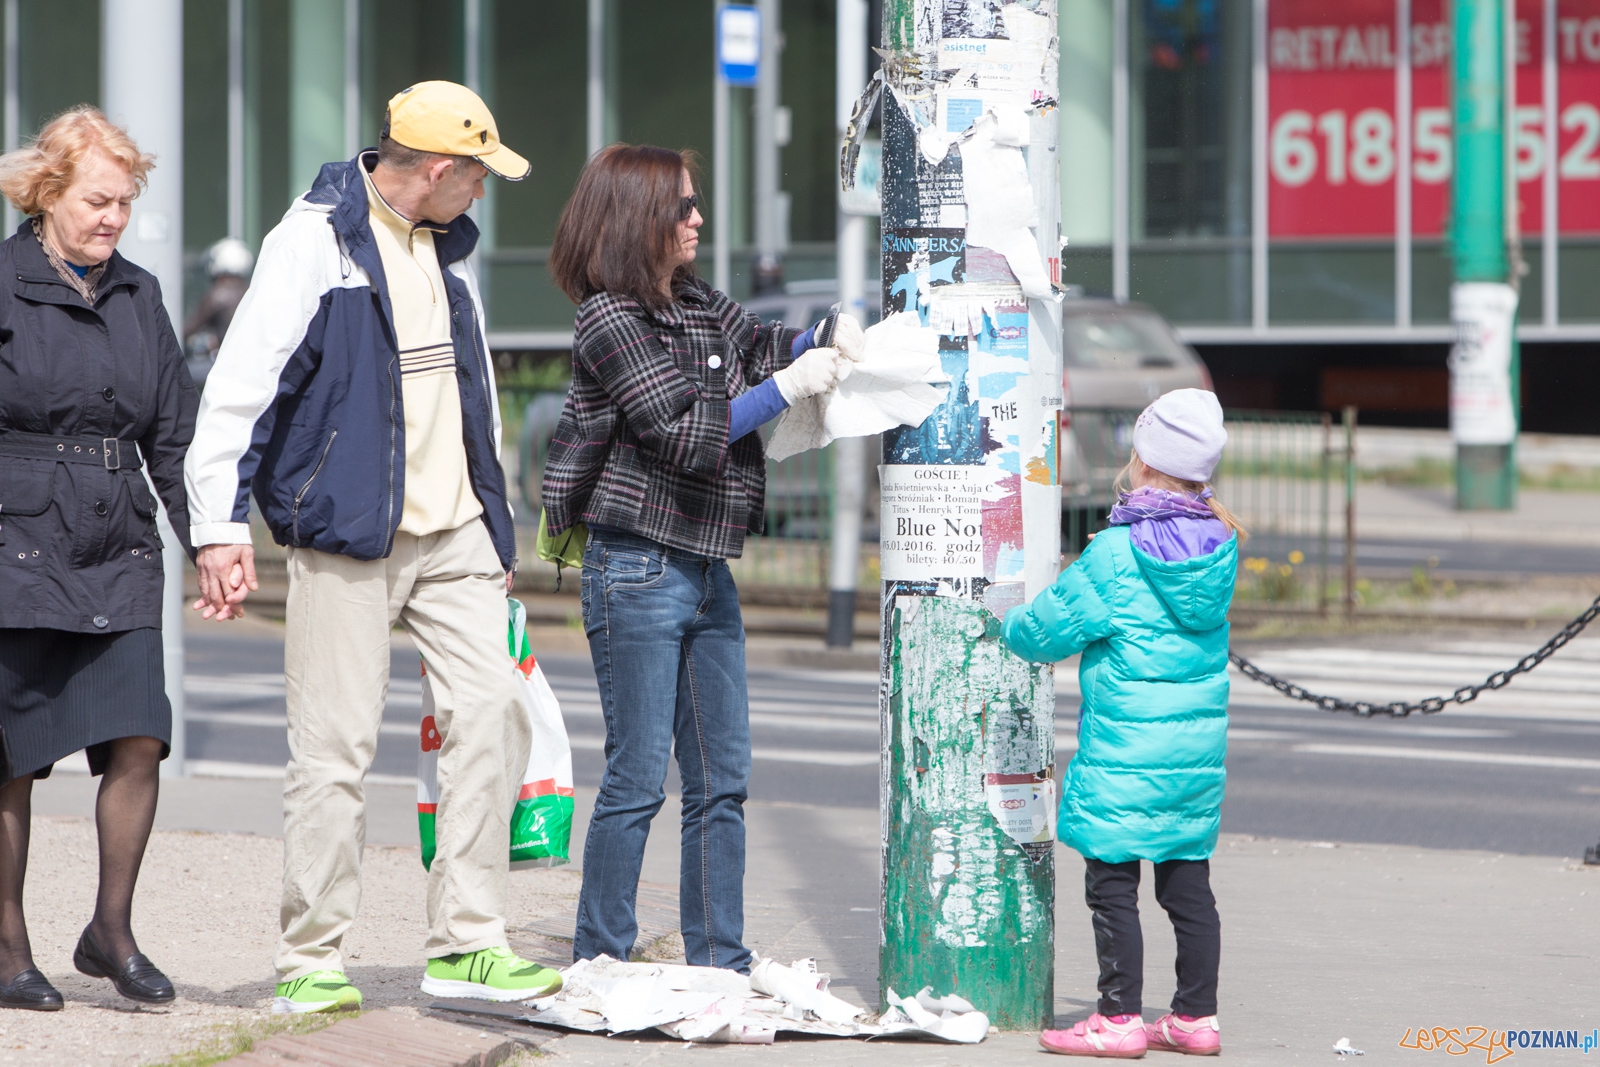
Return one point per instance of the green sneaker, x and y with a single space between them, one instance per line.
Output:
317 991
489 974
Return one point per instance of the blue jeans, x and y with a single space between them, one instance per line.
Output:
668 646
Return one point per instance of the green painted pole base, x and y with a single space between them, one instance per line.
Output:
969 903
1486 478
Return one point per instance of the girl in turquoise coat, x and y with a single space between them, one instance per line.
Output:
1147 606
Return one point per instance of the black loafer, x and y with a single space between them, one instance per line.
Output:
30 991
137 978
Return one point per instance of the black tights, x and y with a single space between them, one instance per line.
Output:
123 813
1183 889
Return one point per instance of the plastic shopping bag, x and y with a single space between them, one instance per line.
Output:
541 821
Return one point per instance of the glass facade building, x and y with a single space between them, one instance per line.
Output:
1260 171
1277 170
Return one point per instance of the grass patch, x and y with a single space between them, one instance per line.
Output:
1422 471
1562 476
1435 473
239 1038
526 1057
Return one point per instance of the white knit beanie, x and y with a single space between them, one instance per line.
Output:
1181 434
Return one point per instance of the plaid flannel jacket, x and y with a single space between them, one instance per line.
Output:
642 444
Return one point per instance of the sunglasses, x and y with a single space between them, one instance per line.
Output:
687 205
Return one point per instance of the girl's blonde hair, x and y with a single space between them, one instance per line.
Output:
1124 484
34 176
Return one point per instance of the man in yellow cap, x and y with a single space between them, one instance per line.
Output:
355 396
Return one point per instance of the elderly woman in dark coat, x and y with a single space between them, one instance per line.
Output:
93 388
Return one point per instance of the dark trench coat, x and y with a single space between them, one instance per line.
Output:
79 549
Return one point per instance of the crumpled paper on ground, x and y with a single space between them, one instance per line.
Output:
715 1006
895 384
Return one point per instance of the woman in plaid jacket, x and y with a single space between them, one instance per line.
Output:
656 454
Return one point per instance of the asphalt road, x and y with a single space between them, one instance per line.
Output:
1518 772
1485 557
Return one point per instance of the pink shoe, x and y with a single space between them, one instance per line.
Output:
1099 1036
1203 1037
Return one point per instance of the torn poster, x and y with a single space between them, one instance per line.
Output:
953 433
1024 804
714 1006
1481 407
918 260
897 383
1000 208
972 18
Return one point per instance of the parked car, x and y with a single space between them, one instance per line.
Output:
1116 359
805 302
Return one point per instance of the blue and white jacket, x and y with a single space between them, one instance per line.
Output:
304 404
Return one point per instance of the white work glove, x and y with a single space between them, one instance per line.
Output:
816 371
850 339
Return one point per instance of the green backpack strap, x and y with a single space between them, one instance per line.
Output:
564 549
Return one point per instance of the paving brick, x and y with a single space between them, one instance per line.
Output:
384 1039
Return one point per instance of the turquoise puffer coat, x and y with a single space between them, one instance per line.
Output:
1147 780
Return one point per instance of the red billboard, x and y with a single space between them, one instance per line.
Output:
1332 151
1330 117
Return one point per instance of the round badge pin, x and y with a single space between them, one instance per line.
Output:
714 362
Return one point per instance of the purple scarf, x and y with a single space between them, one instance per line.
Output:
1169 525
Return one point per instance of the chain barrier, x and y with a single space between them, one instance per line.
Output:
1399 709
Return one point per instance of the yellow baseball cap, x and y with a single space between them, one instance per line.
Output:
452 120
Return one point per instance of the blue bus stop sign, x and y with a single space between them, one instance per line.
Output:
738 44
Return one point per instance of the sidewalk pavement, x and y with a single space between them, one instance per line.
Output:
1379 447
1428 513
1321 940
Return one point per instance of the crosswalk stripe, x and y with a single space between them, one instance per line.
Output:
1448 755
281 722
846 758
1564 688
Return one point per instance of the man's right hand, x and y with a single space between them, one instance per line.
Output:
227 576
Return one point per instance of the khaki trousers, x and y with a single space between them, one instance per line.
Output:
448 590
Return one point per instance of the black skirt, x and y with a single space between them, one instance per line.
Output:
61 692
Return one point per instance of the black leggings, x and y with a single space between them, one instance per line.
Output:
1183 888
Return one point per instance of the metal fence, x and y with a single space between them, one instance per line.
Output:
792 553
1277 476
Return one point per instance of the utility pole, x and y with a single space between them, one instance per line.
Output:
971 507
142 75
771 209
849 453
595 104
739 61
1484 360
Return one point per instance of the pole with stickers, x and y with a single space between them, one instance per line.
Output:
971 503
1485 357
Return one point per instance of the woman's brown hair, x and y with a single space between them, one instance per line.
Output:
619 231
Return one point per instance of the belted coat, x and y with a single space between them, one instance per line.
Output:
90 395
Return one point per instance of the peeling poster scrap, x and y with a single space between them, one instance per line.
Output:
1025 807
